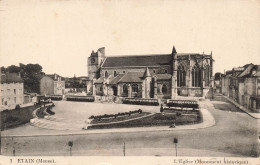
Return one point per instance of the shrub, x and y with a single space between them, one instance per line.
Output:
17 106
11 119
49 111
6 110
178 114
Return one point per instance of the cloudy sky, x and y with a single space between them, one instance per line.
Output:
60 35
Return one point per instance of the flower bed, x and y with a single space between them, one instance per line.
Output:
180 110
140 101
81 98
158 119
139 111
120 118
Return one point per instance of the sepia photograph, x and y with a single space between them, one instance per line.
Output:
130 82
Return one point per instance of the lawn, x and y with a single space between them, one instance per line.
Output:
157 119
16 117
120 118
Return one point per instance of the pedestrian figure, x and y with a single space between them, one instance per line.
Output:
172 126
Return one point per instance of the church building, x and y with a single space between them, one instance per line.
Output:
164 76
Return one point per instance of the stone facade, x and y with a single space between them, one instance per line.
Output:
11 90
242 84
150 76
52 85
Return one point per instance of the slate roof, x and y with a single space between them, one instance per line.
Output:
100 80
53 77
10 78
164 76
249 69
116 79
140 60
132 77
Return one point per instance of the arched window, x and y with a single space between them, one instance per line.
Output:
196 76
101 89
125 90
134 88
207 75
164 89
181 76
106 74
115 74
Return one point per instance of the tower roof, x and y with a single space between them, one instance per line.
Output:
147 73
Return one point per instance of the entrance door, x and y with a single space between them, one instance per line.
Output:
114 90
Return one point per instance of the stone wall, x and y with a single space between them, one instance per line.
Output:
160 94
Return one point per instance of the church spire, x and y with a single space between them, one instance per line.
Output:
147 73
174 50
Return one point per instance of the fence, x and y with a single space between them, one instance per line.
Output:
141 101
81 98
183 103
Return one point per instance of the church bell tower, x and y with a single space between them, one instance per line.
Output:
94 63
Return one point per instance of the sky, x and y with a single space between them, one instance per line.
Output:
60 35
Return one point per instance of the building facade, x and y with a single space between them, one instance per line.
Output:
52 84
162 76
242 84
11 90
249 87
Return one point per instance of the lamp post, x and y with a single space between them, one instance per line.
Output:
70 143
175 141
124 149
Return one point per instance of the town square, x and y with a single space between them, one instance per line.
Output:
99 78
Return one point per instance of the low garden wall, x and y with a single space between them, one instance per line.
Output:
55 97
81 98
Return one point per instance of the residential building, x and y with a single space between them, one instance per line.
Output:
249 87
52 84
11 90
242 84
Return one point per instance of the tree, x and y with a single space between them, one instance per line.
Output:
13 69
32 74
3 69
